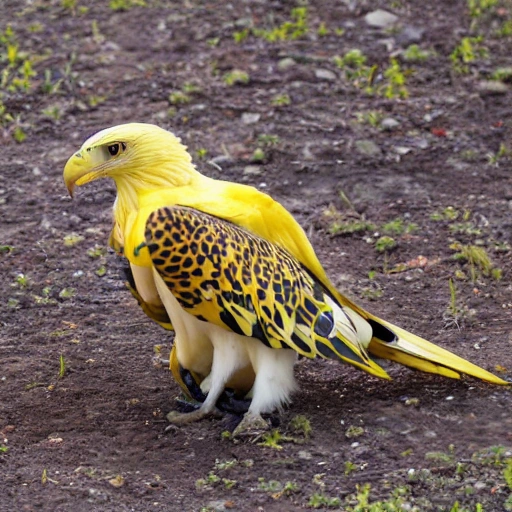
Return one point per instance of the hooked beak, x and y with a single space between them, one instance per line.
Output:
77 171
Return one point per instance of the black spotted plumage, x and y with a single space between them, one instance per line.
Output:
243 283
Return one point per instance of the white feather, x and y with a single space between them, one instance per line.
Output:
196 340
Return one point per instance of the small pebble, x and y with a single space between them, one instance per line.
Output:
325 74
380 19
389 123
250 117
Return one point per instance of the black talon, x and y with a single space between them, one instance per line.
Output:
227 402
192 386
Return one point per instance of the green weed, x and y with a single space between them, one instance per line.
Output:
322 30
492 456
72 239
477 258
385 244
448 213
97 251
505 30
202 153
354 431
268 140
281 100
227 464
270 486
241 35
179 98
479 7
318 500
371 117
258 155
350 467
125 5
439 457
289 30
414 53
507 474
395 87
210 480
362 76
467 51
53 112
503 74
22 281
453 308
272 439
301 425
495 158
236 77
354 67
62 366
399 227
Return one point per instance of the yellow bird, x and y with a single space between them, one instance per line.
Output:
234 274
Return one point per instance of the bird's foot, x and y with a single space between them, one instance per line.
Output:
182 418
252 425
230 403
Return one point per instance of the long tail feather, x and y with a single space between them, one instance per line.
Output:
396 344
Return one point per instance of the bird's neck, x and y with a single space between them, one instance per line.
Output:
132 186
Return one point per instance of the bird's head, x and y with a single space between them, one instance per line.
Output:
138 157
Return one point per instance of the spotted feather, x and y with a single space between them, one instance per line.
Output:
223 274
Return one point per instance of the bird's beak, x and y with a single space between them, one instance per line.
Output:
78 172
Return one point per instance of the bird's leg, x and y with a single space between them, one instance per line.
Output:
272 388
207 407
252 425
223 367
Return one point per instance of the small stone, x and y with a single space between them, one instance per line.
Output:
217 506
250 117
304 455
430 434
402 150
479 485
253 170
325 74
410 35
286 63
367 148
222 160
492 88
421 143
380 19
389 124
110 46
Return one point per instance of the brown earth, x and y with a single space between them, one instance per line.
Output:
94 438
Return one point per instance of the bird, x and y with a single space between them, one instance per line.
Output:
234 275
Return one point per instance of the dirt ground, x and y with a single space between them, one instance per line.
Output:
342 145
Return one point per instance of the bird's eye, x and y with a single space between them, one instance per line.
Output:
113 149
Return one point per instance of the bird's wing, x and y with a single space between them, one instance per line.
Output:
259 214
226 275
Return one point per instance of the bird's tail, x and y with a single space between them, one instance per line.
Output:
396 344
